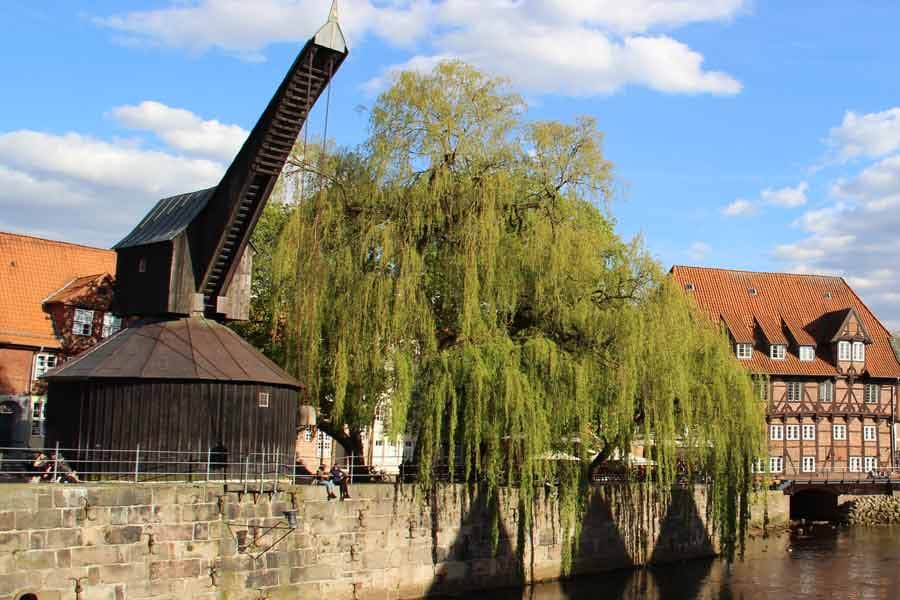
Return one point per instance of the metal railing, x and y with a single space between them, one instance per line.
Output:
880 474
266 469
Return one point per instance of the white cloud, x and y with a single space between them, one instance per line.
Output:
544 46
698 251
869 135
740 208
183 130
92 191
857 237
786 196
245 28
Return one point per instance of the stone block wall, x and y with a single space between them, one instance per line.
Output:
161 541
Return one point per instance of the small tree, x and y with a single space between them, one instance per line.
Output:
464 266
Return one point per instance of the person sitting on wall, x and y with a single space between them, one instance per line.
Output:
323 477
53 470
341 480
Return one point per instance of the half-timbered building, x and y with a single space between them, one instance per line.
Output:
824 363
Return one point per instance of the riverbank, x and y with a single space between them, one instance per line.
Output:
869 511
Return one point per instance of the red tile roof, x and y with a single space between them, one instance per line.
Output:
79 290
811 307
31 270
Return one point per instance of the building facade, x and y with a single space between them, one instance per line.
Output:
55 301
823 362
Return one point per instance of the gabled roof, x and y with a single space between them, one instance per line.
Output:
798 332
848 316
770 325
167 219
811 308
80 289
740 329
31 269
190 348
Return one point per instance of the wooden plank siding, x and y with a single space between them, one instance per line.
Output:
172 416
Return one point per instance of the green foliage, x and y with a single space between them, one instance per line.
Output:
465 266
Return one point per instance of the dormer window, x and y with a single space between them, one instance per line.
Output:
752 291
859 352
689 287
844 351
807 353
777 351
83 322
744 351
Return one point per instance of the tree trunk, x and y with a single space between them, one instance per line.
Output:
352 443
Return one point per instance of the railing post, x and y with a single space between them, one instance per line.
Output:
246 471
137 462
56 463
208 459
277 469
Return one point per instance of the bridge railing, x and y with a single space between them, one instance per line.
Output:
828 476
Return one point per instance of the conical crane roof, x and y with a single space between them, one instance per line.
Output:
189 348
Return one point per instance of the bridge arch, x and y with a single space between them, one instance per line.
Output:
814 504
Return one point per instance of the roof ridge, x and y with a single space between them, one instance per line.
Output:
60 242
727 270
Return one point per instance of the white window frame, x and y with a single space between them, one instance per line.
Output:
762 389
43 362
808 432
777 351
872 393
744 351
776 433
111 324
83 322
808 464
859 352
870 463
826 391
794 391
839 432
854 465
38 417
776 464
308 435
870 433
262 400
758 466
807 353
844 353
792 432
323 445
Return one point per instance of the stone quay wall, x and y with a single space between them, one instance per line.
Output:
167 541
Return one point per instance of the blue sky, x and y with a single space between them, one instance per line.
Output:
753 135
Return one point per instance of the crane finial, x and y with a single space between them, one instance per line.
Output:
333 15
330 34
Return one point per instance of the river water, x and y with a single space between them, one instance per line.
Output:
822 563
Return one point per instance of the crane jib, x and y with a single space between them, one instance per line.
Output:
228 220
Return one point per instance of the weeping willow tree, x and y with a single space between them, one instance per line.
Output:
463 268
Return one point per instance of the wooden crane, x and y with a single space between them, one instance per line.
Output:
189 255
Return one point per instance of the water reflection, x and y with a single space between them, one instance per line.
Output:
822 563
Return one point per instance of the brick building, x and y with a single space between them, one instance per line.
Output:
828 372
54 303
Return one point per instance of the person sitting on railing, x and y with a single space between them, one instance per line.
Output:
341 480
324 477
